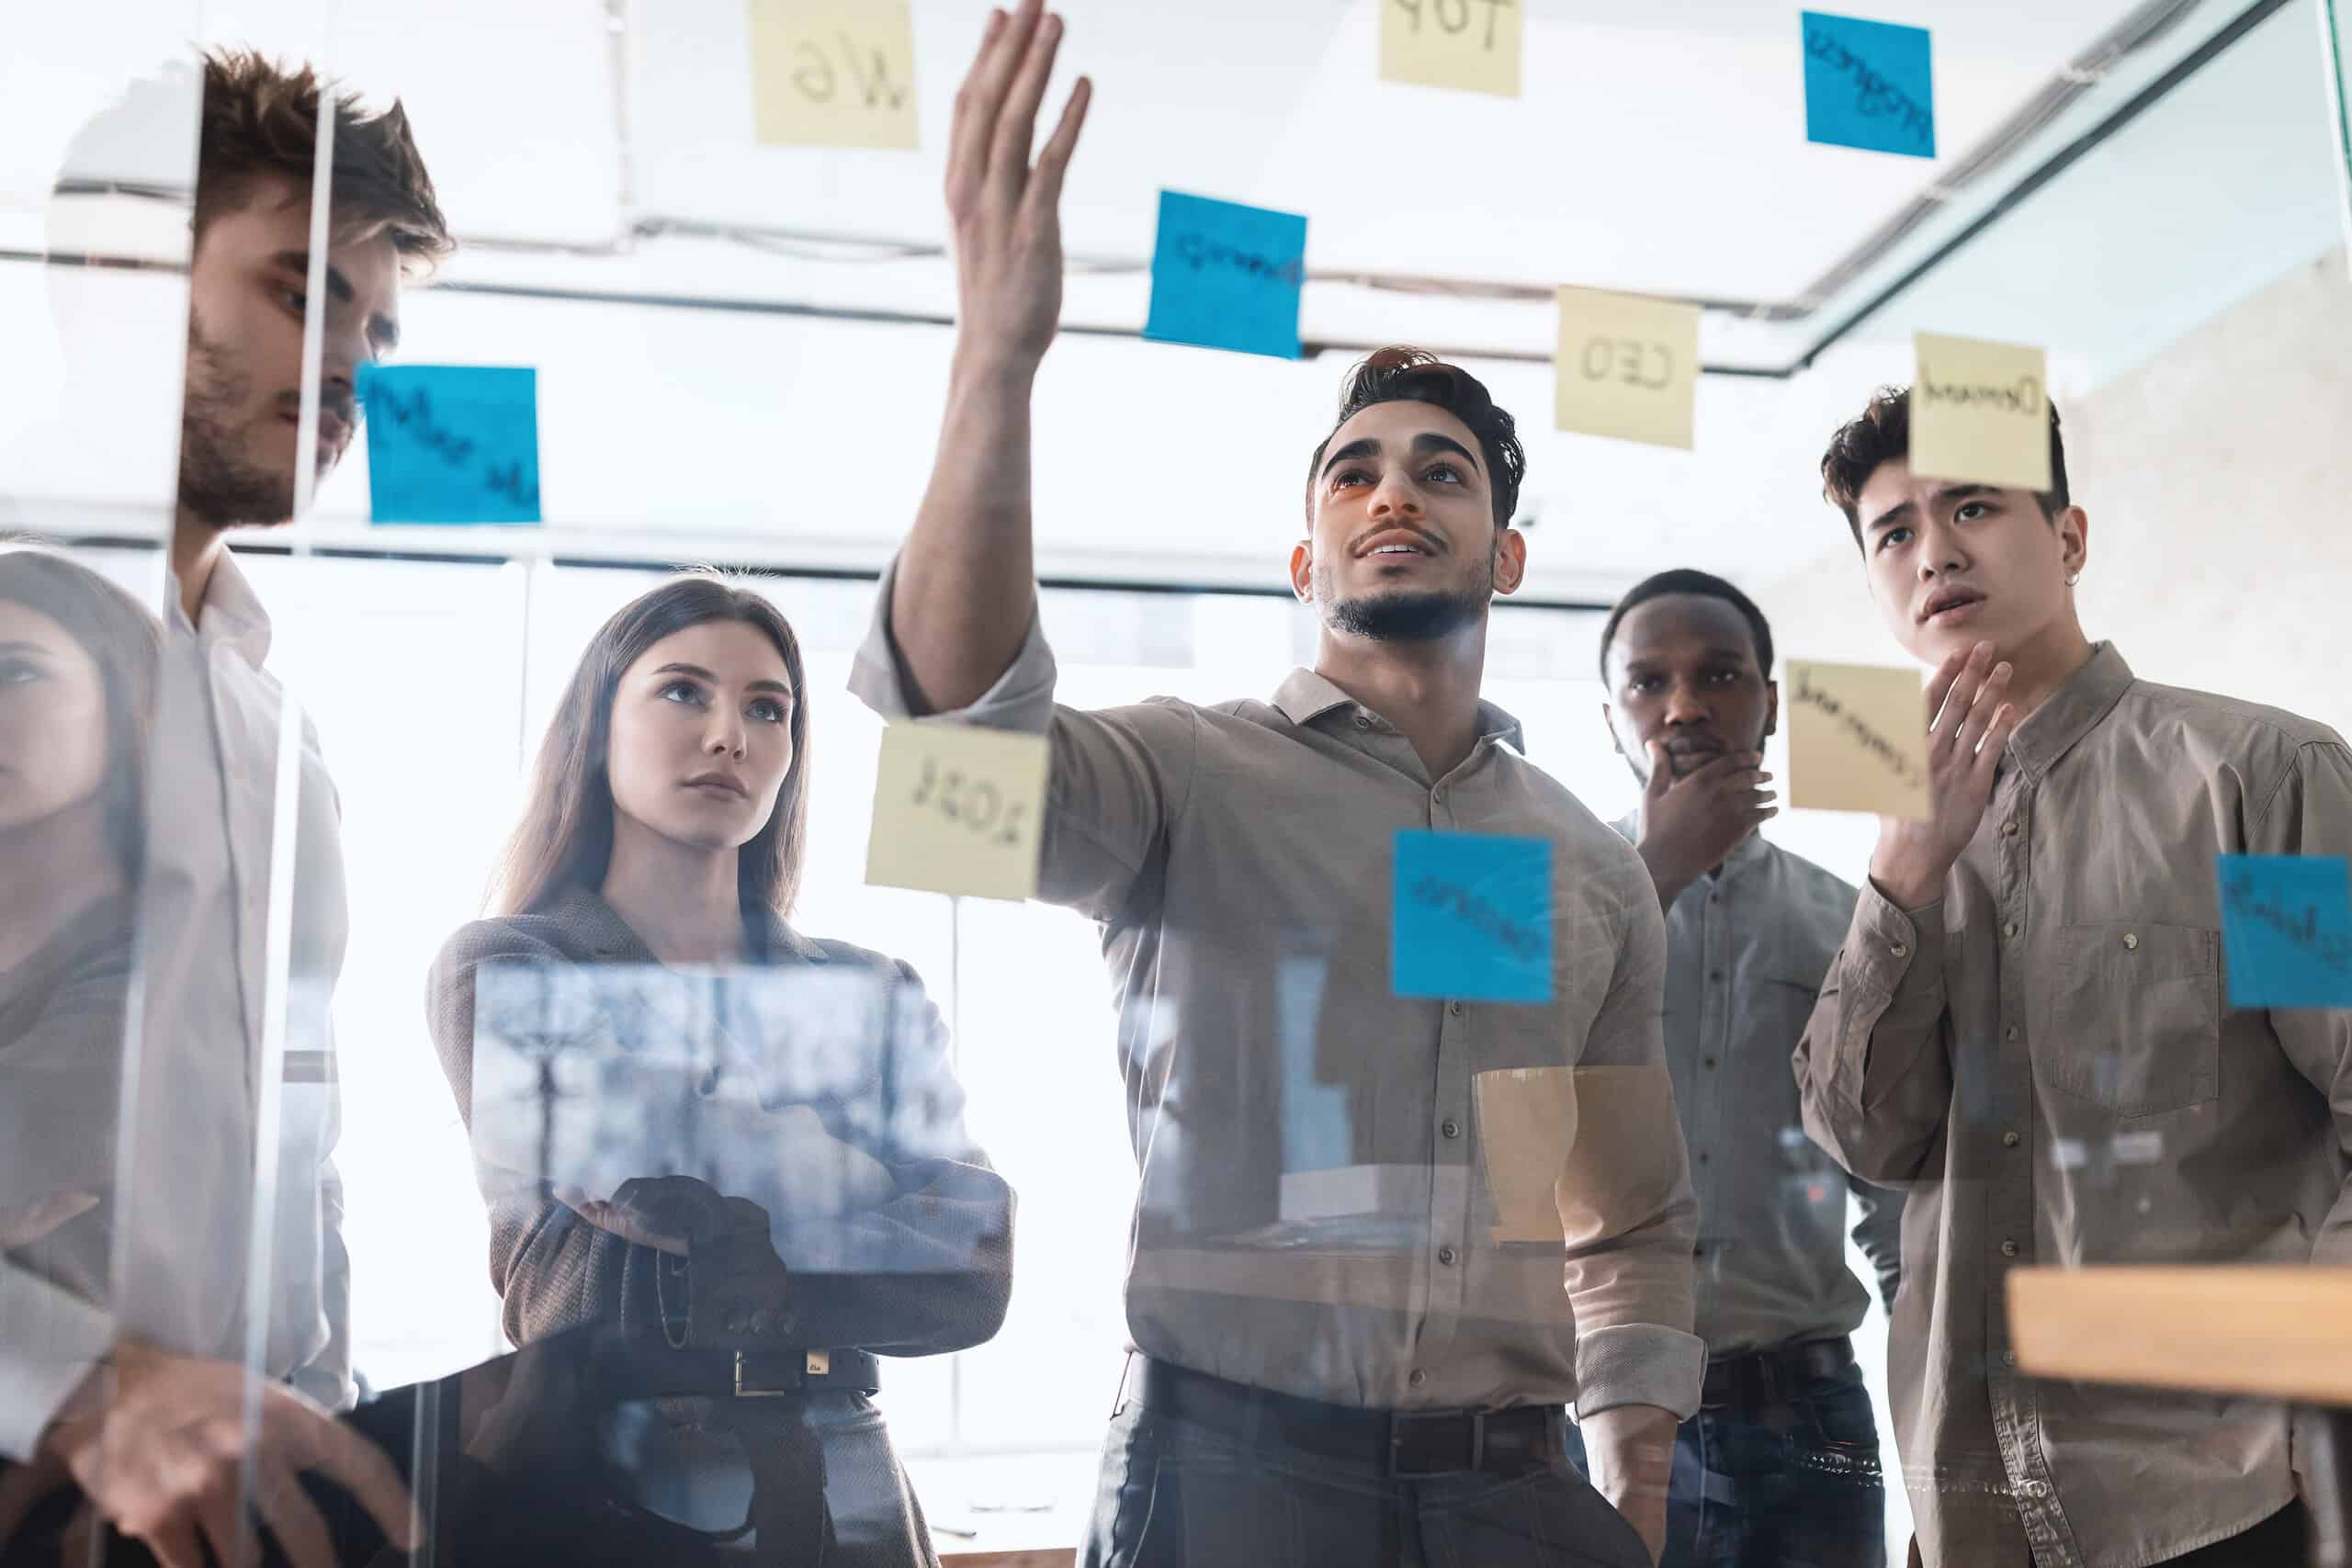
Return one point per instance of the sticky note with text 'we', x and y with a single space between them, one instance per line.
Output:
1869 84
957 809
1224 275
2287 929
1469 44
1627 368
1471 918
834 73
1979 410
1858 740
451 443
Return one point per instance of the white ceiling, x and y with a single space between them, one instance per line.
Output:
1660 148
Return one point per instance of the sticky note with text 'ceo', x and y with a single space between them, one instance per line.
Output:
833 73
1858 738
1225 276
451 443
1627 366
1470 916
1472 45
957 809
1979 410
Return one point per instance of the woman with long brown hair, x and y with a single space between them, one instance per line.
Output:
741 1147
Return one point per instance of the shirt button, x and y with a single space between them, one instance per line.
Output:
1708 1063
1363 721
1715 974
1418 1377
2008 1249
2010 828
1898 950
1454 1008
2008 1357
1703 1157
1446 1255
2131 939
2010 1034
1449 1127
2009 930
2009 1140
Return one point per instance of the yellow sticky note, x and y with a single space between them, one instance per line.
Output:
1527 1124
834 73
1858 738
1470 44
1627 366
1981 410
957 809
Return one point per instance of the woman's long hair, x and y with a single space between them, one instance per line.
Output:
565 838
125 642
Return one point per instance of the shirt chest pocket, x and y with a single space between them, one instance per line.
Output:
2136 1023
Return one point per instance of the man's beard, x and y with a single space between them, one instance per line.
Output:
1422 616
218 485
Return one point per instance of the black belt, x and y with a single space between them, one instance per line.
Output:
1773 1377
640 1370
1403 1445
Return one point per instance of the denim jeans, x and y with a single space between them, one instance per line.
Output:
1795 1484
1177 1494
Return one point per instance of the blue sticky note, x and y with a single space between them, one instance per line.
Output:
1471 918
1869 84
2287 929
1224 275
451 443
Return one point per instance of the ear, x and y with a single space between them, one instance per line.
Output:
2074 526
1771 709
1302 570
1608 717
1510 559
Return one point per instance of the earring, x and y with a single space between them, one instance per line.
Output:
2072 578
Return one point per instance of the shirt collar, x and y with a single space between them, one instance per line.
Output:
232 612
2052 729
1305 696
611 937
1752 849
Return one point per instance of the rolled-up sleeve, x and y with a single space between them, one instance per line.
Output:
1873 1070
1626 1207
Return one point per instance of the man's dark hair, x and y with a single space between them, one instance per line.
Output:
1399 373
1883 434
261 120
1683 580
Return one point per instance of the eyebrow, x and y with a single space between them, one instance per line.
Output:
1905 512
1424 445
698 672
380 327
1723 650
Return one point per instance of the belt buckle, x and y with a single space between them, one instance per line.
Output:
749 1384
1397 1423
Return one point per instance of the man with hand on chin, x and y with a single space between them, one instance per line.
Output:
2028 1029
1366 1363
1779 1466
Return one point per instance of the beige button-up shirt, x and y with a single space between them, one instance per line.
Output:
2047 1060
1345 1194
198 1201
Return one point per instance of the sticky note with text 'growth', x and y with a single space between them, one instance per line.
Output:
1858 740
2287 929
451 443
1471 917
1224 275
1627 368
1979 410
957 809
834 73
1869 84
1469 44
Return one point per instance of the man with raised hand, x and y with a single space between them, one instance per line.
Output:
1365 1361
2028 1027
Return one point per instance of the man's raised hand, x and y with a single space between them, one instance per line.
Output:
1006 211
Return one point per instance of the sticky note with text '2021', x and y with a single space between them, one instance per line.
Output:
1869 84
451 443
834 73
957 809
2287 929
1627 366
1979 410
1468 44
1858 740
1224 275
1471 917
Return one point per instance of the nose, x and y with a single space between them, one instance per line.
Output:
726 736
1395 496
1939 550
1683 705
